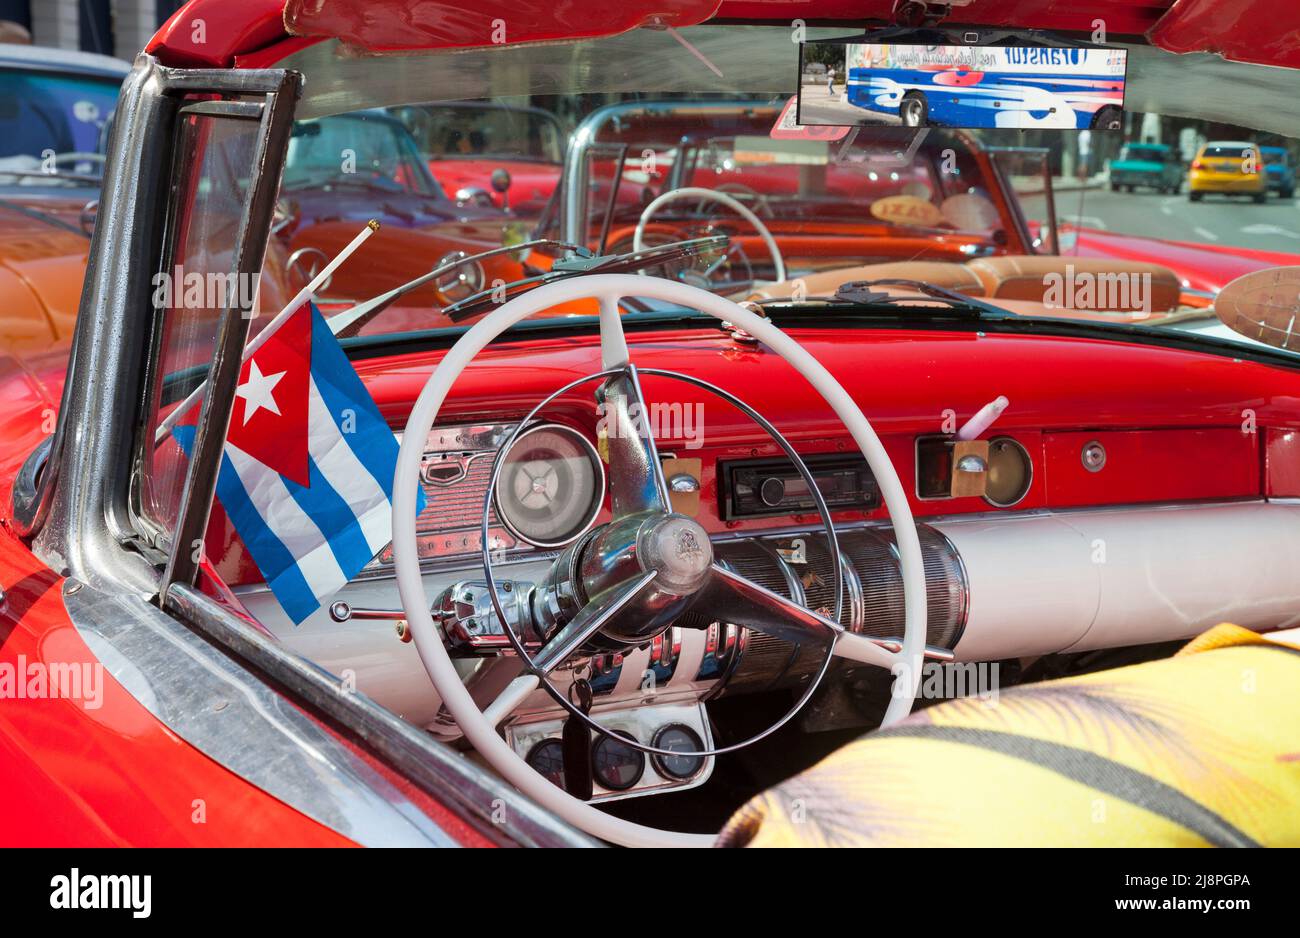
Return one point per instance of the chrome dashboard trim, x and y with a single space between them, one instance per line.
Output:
965 579
857 595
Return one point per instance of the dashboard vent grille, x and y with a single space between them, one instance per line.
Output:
764 660
455 505
800 568
454 474
873 554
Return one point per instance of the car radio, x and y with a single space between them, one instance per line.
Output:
755 488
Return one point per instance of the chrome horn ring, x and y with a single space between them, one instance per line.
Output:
542 671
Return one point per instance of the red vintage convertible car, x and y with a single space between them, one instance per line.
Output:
989 547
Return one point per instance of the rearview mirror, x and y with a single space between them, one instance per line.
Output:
927 78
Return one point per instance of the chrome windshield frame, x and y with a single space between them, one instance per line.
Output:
576 181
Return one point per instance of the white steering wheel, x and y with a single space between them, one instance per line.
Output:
697 193
637 490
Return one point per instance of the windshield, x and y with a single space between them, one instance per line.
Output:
481 130
643 140
364 149
52 127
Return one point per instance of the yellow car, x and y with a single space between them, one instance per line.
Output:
1228 166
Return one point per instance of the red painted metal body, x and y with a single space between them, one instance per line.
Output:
1152 466
110 775
1259 31
1282 463
1208 268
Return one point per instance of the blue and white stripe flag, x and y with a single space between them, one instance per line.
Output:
307 474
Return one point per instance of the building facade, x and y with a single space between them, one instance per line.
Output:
110 27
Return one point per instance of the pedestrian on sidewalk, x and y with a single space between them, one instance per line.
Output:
830 81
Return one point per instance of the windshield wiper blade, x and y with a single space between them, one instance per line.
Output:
860 295
350 322
578 266
934 291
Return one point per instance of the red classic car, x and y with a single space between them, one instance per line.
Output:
636 545
470 145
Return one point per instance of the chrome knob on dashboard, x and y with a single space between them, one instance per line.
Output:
683 483
1093 456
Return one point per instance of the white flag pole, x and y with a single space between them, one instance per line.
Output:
165 426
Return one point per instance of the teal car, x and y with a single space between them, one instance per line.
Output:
1147 164
1281 174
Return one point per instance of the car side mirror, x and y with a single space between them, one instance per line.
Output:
501 183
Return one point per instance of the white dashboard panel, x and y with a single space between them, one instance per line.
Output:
1079 580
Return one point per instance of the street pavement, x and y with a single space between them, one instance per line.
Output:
817 106
1235 221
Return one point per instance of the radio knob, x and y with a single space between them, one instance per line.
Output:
772 491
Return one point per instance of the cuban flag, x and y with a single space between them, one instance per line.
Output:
307 473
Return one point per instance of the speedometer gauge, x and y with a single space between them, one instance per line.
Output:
551 486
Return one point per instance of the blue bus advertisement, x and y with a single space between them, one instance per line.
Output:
1021 87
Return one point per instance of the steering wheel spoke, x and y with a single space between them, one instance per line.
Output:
511 696
613 344
743 602
590 619
636 477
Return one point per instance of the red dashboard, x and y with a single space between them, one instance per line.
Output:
1175 425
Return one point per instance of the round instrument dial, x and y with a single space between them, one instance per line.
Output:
1010 472
551 486
616 765
547 760
684 742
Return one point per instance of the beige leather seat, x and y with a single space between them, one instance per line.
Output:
953 276
1029 277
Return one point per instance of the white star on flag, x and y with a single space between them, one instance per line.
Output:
256 391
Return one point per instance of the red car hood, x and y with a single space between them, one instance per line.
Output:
1198 266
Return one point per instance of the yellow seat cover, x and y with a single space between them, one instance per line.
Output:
1201 749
